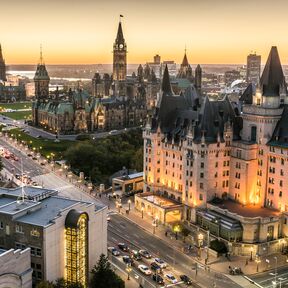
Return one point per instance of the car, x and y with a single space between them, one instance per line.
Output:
155 267
145 254
34 158
136 255
113 251
186 279
29 155
171 278
127 260
113 132
108 218
42 163
17 176
160 263
144 269
157 278
123 247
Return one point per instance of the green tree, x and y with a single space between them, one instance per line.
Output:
185 232
104 277
137 160
45 284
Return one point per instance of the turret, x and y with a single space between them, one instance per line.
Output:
2 66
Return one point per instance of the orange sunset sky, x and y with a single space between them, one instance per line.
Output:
83 31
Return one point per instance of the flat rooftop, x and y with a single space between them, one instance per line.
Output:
41 209
49 210
158 200
249 210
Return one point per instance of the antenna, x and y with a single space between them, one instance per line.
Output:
41 55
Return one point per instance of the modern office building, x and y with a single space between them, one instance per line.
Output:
65 236
227 170
253 68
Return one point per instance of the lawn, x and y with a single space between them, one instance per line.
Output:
18 115
44 146
16 106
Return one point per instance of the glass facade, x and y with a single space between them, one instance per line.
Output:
77 251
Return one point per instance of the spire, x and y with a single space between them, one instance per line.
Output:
1 55
41 55
185 60
120 37
166 86
272 77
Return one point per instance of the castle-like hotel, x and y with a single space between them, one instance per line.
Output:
220 166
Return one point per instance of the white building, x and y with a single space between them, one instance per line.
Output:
65 236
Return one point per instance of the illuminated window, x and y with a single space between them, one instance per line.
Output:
77 247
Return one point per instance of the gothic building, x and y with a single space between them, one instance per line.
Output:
185 70
219 169
116 101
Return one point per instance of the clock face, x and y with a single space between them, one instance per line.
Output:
121 46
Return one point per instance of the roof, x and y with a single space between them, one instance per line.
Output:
280 134
166 85
249 210
39 211
41 73
272 77
120 37
247 96
73 217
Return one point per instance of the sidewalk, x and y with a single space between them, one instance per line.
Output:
220 264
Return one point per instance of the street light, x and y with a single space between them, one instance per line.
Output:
128 269
257 262
251 253
129 203
276 263
200 241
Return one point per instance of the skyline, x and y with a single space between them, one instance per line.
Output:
72 31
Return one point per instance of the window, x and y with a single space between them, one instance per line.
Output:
202 164
20 246
282 161
201 197
1 225
280 194
201 186
216 164
19 229
281 183
201 175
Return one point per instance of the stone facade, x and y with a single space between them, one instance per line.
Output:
41 224
201 154
15 268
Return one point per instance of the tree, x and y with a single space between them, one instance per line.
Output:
45 284
185 232
104 277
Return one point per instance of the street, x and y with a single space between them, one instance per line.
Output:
120 229
267 279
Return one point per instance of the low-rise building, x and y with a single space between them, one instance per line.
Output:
65 236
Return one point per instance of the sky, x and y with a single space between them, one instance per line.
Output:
83 31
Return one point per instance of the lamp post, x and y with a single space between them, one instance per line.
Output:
129 203
276 264
128 269
142 211
200 241
258 261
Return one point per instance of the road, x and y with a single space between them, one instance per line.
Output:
36 132
265 279
122 230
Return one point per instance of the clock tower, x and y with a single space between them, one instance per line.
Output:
119 56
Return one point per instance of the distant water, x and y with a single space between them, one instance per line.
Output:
31 74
